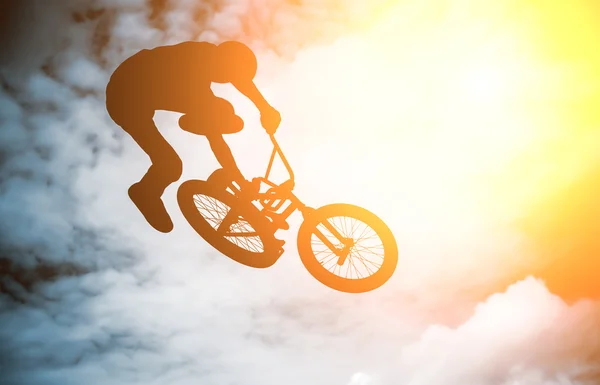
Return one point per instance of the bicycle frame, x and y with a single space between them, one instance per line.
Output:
273 199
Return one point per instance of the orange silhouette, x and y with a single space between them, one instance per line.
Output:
178 78
345 247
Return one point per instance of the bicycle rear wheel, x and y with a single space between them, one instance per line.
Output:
363 260
233 227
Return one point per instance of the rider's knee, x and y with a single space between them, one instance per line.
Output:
222 107
229 124
226 118
176 167
237 124
170 168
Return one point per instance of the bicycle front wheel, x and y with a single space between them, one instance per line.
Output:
232 226
347 248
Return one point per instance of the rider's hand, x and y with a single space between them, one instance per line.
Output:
270 119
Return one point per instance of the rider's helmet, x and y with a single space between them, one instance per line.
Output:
239 58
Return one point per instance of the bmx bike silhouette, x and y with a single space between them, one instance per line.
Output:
333 241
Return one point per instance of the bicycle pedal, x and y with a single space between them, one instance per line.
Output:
277 222
279 244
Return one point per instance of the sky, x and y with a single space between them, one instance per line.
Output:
469 127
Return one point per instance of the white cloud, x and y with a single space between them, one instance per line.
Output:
525 335
155 309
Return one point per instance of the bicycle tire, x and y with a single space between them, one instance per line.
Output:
317 268
187 198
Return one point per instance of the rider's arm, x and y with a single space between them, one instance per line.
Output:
248 88
269 116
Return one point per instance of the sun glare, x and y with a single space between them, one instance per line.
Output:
470 113
485 84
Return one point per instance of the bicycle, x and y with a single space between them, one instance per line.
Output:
242 225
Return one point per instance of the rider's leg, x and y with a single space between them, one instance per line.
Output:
166 168
225 158
166 165
130 103
217 116
227 161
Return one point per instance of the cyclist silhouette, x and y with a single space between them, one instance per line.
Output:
178 78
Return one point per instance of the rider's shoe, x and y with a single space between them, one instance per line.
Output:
151 207
248 190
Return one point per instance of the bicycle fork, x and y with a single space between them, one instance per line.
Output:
341 253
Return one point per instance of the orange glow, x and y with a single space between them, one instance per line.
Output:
461 124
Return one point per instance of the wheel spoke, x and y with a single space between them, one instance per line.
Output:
344 231
213 220
238 231
340 228
362 260
355 268
362 233
328 259
366 249
355 224
368 231
366 255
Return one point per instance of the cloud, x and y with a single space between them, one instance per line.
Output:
91 295
538 345
525 335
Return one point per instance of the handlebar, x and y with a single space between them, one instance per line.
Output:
277 150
